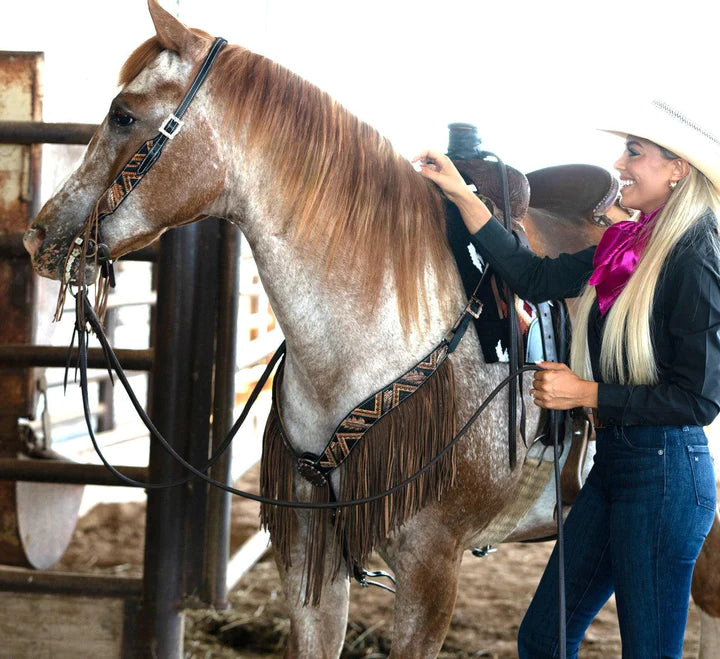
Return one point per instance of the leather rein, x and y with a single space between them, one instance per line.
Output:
87 244
113 364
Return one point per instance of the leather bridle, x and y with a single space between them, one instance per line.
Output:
147 155
88 242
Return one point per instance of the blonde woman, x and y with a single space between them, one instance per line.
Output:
646 358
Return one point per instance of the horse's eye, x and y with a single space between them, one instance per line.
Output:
121 118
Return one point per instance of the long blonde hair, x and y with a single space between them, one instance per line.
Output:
627 354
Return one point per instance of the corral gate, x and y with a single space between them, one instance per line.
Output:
192 354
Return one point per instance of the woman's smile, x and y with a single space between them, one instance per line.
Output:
645 175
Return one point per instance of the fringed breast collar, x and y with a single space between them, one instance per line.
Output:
403 425
316 469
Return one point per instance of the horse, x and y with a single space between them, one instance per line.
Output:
350 245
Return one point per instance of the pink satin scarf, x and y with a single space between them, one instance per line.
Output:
617 256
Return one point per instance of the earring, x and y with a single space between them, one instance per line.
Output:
673 185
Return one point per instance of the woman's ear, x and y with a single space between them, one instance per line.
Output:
681 168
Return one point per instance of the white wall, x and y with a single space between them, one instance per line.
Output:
532 75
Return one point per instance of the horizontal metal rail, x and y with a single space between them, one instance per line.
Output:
20 580
70 415
22 355
59 471
38 132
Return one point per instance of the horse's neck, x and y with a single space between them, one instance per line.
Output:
338 353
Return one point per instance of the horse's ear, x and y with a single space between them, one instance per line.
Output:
171 33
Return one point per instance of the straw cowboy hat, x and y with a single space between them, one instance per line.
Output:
660 122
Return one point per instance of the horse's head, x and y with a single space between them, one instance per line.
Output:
180 187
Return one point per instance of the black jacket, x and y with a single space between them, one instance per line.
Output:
685 324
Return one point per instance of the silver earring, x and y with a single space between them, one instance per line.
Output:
673 185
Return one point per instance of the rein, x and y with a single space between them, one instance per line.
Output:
87 244
513 361
91 319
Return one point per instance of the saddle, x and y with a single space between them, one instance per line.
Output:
572 190
556 209
570 207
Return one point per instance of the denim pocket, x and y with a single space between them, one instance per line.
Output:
703 475
642 438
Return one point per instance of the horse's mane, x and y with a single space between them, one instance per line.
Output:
349 195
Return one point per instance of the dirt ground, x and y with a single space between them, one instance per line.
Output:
494 592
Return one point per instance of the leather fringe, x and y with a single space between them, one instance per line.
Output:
399 445
277 470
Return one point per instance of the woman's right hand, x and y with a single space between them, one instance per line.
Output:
440 169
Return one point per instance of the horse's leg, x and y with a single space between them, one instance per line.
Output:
426 565
315 631
706 592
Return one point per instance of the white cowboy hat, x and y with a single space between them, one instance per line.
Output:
667 126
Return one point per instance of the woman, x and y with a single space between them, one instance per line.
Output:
646 358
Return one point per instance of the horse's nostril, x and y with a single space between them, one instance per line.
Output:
33 238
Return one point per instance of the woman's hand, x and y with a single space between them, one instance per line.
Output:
556 387
440 169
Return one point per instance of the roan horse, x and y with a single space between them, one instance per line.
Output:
350 245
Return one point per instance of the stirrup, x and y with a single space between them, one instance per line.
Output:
361 575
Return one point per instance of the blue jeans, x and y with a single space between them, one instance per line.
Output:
636 529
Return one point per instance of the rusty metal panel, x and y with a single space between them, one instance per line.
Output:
20 100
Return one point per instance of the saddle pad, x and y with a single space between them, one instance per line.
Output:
492 325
